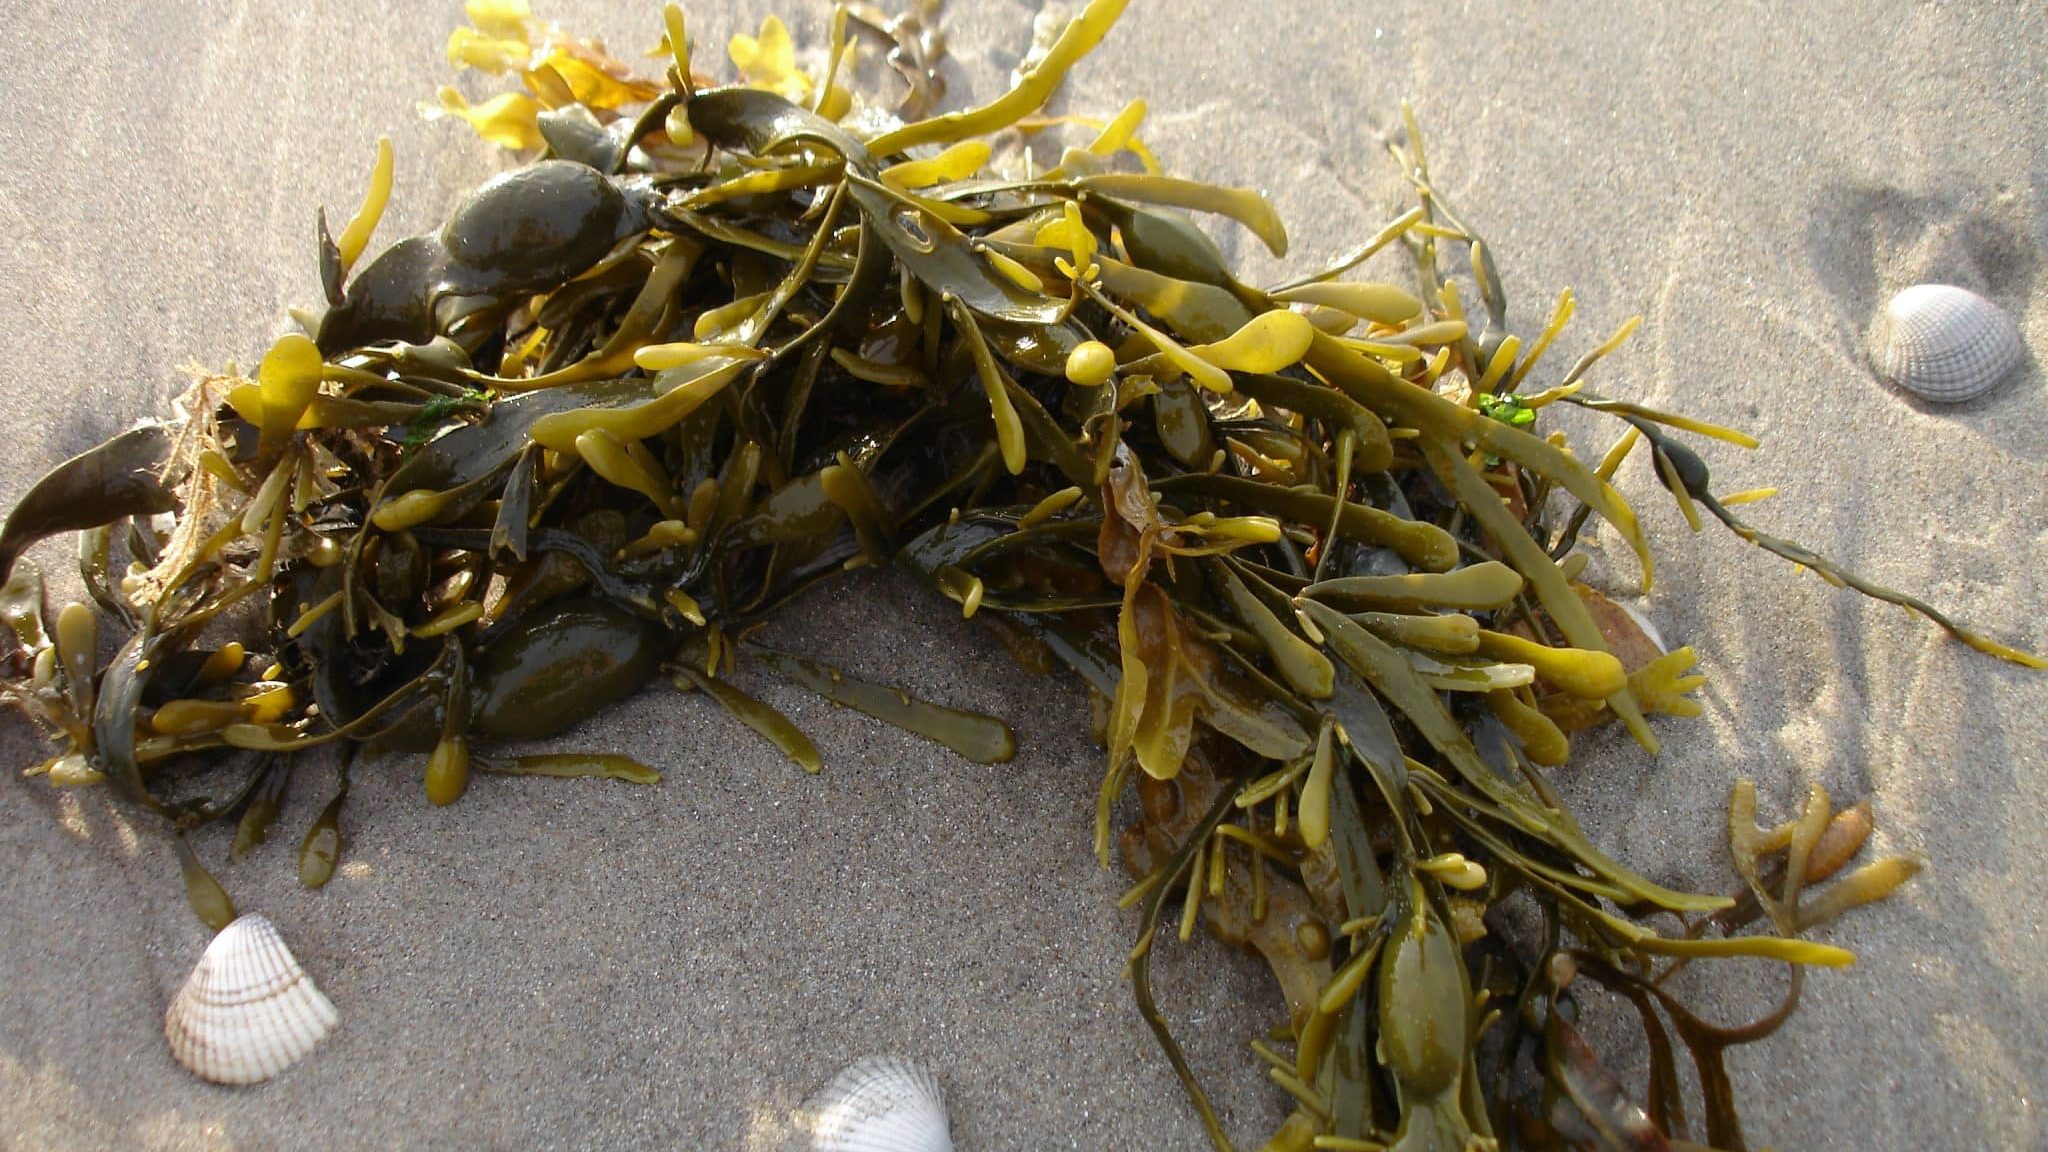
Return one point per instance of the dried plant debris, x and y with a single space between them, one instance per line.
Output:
716 343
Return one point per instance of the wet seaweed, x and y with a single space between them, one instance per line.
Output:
717 343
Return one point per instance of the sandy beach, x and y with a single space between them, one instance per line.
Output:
595 965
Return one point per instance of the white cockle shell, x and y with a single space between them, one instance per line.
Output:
1944 344
881 1104
248 1011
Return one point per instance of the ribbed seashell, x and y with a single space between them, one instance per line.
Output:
248 1011
881 1104
1944 344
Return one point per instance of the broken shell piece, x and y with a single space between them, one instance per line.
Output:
881 1104
1643 622
248 1011
1944 344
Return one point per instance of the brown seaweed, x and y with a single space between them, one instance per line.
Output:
716 344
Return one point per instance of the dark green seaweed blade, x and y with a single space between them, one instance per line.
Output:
941 258
762 718
982 739
758 122
572 766
120 478
262 808
208 899
321 850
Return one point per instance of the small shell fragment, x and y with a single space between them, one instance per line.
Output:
881 1104
1643 622
1944 344
248 1011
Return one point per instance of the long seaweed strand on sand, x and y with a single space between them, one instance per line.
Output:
716 343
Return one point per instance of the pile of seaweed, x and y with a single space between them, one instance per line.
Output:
719 343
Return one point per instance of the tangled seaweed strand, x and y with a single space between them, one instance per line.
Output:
720 343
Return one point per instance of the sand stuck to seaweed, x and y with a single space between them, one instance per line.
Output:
595 965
